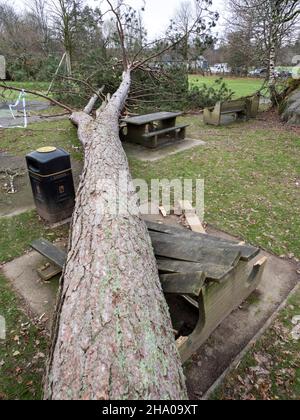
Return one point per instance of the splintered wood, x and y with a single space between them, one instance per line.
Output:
186 208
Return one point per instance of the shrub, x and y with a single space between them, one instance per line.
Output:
205 96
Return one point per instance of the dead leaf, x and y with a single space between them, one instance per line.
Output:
296 320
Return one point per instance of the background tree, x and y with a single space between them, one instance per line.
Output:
65 15
271 23
239 52
196 41
38 9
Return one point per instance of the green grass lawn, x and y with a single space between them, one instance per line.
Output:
59 133
241 86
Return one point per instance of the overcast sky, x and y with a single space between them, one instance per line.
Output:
157 13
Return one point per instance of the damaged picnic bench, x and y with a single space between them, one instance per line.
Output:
153 130
204 279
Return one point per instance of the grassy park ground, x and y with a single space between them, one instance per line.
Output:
252 190
240 85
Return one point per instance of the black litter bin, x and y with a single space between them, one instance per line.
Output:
52 183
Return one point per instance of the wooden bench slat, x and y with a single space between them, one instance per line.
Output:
205 241
248 252
183 283
165 131
181 231
213 272
177 250
148 118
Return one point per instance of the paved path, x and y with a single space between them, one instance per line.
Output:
7 121
152 155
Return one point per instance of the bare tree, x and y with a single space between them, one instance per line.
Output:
186 14
21 39
39 11
64 15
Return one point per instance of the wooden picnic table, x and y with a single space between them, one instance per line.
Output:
153 130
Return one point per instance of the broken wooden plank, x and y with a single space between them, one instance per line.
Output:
49 271
206 241
213 272
163 211
261 262
183 283
181 231
195 223
185 207
181 251
248 251
181 341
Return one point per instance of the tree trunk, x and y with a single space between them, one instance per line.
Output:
272 75
68 63
113 337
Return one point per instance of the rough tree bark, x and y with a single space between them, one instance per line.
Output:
112 337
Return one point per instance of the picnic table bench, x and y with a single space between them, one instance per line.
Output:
243 108
153 130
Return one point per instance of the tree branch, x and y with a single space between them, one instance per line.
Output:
31 92
88 109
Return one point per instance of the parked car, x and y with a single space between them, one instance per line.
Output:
262 72
284 74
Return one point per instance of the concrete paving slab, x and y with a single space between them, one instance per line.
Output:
40 296
152 155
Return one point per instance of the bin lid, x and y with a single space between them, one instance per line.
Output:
47 149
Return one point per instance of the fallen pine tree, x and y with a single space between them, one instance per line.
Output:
113 336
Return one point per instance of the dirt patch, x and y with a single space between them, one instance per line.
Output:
271 119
